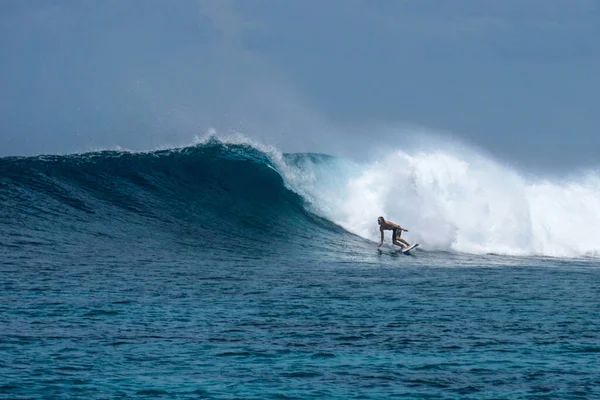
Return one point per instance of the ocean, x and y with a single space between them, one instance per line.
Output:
228 269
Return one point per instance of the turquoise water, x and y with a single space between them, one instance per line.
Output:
428 326
128 276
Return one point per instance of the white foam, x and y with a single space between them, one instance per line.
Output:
457 202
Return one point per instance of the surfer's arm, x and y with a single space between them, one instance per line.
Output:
380 243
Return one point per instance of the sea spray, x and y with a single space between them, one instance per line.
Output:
455 201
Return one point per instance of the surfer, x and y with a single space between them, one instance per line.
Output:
396 232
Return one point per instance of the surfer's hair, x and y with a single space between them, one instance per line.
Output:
380 219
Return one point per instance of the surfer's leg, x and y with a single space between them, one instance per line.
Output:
397 243
399 239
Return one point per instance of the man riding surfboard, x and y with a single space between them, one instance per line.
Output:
396 232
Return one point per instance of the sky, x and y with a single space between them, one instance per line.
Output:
517 78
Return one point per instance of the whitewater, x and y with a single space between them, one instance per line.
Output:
458 201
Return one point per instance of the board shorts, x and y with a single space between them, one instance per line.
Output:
395 233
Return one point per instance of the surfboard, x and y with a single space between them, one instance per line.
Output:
406 250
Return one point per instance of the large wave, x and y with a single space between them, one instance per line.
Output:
239 191
210 195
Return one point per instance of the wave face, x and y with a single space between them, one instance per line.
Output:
210 196
217 193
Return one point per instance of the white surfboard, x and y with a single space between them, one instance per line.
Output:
407 249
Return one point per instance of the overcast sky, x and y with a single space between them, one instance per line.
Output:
518 78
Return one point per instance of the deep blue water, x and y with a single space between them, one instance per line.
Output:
195 273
